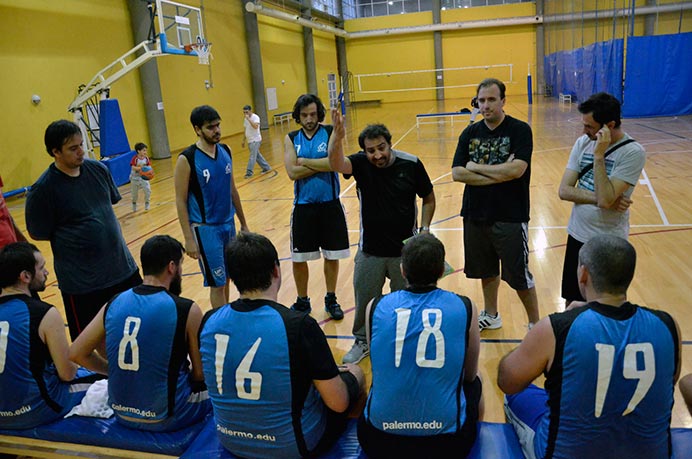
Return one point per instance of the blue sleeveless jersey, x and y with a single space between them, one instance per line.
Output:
209 198
417 349
265 404
31 391
148 371
611 383
320 187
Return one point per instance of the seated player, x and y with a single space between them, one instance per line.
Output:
424 342
272 379
38 383
150 333
610 369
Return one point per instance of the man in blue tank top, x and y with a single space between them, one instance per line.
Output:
38 383
318 220
424 343
206 199
610 369
273 382
150 333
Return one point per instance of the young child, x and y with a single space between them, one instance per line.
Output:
136 180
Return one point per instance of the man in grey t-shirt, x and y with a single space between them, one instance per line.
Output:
71 205
601 195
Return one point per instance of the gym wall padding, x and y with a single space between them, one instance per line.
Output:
588 70
113 136
658 76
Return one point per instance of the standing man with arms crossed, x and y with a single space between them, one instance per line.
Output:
493 159
71 205
150 332
318 220
424 345
601 193
207 199
272 379
38 382
251 122
610 369
387 182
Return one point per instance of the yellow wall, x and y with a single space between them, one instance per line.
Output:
397 53
460 48
514 45
283 60
325 63
55 46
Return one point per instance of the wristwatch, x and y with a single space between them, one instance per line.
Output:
423 228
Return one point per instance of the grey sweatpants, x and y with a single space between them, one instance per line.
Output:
369 275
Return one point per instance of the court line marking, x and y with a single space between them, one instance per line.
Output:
661 131
657 203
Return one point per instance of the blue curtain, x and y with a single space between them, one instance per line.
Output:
659 76
588 70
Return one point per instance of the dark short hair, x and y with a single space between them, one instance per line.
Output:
139 146
157 252
304 101
603 107
202 114
489 82
58 133
423 260
611 261
250 260
247 107
15 258
373 131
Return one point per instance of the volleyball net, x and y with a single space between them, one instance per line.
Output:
420 80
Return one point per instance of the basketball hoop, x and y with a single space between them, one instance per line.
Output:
203 50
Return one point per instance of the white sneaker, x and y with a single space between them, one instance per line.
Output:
486 321
357 353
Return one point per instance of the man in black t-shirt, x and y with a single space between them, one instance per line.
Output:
493 159
388 182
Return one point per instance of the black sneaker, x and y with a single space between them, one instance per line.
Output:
334 311
302 305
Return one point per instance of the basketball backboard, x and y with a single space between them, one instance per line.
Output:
179 26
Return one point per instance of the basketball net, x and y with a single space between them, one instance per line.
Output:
203 49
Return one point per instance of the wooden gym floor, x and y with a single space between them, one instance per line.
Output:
661 219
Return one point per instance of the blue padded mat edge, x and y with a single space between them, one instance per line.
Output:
108 433
495 441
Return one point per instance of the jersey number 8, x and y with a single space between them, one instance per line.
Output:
129 339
